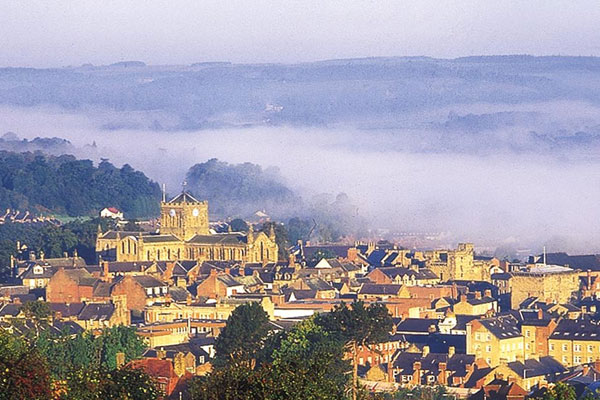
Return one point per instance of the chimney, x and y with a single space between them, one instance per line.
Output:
105 272
352 254
32 256
442 378
597 364
488 293
463 298
292 260
417 373
478 295
42 255
227 270
586 369
65 254
451 351
161 353
425 351
540 313
213 271
589 279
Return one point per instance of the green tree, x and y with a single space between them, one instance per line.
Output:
560 391
589 394
119 339
102 384
357 326
242 339
309 365
23 371
238 225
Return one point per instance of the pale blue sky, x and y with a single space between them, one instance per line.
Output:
58 33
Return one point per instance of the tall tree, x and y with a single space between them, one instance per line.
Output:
242 339
308 364
357 326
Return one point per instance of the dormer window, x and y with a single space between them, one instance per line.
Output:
38 270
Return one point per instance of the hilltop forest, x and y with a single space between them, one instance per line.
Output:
65 185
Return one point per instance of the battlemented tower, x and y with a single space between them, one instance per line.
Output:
184 216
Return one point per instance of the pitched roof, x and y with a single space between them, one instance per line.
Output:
416 325
503 327
374 288
96 312
220 238
582 329
183 197
532 367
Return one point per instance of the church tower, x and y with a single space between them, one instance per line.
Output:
184 216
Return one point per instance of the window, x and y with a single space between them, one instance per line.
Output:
564 359
488 360
527 346
488 349
564 347
590 348
477 336
488 337
527 333
577 360
551 346
577 348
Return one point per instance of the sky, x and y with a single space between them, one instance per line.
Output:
39 33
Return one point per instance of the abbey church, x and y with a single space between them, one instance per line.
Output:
185 235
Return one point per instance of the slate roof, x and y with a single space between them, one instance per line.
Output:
503 327
317 284
183 197
96 312
220 238
376 257
178 294
128 266
66 310
147 281
581 329
161 239
393 272
416 325
10 310
379 289
532 367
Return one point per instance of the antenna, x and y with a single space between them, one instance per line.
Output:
183 185
164 193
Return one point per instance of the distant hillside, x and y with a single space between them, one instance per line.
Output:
367 92
66 185
241 189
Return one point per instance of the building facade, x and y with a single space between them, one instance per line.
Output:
185 235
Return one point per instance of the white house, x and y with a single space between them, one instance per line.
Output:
111 212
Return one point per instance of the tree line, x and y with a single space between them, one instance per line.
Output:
65 185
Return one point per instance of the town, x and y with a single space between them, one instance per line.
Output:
472 326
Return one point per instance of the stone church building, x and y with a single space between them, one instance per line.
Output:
185 235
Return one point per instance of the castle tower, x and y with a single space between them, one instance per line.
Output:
184 216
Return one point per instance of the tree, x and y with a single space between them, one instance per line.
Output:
37 310
309 365
119 339
23 371
102 384
357 326
242 338
132 226
238 225
560 391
